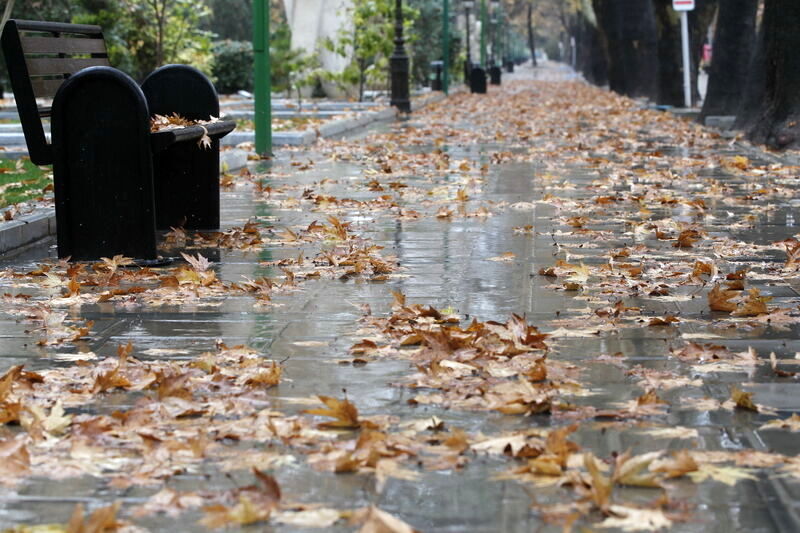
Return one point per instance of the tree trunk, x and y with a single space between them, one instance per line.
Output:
628 28
755 86
591 54
733 47
778 122
670 61
531 34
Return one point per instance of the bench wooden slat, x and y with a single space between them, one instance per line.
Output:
45 88
58 65
58 27
62 45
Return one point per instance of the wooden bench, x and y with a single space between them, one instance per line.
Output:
116 183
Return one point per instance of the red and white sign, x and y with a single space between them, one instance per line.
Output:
683 5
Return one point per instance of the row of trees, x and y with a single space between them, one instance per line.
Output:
633 46
215 36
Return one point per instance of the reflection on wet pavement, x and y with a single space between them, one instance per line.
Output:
473 209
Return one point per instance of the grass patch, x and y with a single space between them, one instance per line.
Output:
21 181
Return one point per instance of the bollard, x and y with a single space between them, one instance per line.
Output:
477 80
495 74
437 71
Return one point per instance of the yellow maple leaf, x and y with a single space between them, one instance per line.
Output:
635 519
729 475
345 413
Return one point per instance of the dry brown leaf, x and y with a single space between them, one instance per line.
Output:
743 400
345 413
719 299
375 520
753 305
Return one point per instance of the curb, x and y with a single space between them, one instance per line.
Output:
333 128
27 229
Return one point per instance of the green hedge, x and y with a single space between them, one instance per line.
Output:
233 66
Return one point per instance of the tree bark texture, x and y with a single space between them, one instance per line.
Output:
778 122
591 54
732 49
628 29
755 86
531 34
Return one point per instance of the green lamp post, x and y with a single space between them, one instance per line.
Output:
446 46
263 82
484 24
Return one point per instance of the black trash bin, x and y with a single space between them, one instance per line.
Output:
437 71
495 74
477 80
509 65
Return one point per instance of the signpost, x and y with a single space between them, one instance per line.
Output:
684 6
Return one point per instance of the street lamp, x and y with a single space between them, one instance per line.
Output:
263 82
446 46
399 64
495 4
468 4
484 23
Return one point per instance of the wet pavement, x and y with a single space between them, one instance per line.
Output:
545 199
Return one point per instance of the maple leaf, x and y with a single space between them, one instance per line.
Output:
306 518
100 521
7 380
199 264
666 321
635 519
728 475
753 305
743 400
649 398
343 411
679 464
115 262
630 470
792 423
55 423
205 140
243 513
375 520
719 299
601 486
15 460
687 238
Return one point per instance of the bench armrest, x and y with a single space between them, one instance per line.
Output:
165 138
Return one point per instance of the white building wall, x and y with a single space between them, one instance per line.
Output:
312 21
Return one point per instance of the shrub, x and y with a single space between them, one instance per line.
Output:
233 66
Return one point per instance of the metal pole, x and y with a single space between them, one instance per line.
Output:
484 20
446 46
399 64
263 89
468 66
687 78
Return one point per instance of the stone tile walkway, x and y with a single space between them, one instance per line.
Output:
604 225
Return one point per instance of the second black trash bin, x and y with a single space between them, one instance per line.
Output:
437 70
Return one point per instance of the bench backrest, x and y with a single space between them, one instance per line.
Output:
39 57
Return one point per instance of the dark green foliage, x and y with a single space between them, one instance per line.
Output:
232 20
426 39
233 66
